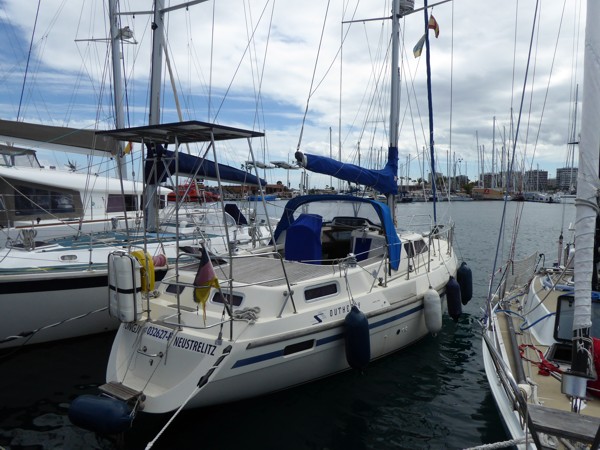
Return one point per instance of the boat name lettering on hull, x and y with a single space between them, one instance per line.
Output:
341 310
134 327
159 333
194 346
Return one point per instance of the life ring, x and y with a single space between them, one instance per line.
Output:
486 191
146 269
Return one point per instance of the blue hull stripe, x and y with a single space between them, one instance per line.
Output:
323 341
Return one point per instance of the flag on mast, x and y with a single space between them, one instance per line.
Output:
433 25
419 47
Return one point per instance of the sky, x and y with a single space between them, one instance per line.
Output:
279 67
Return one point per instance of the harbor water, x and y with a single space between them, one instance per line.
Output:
432 395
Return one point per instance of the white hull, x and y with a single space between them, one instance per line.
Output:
263 369
504 404
55 282
274 353
34 301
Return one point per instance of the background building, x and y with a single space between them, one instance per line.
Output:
566 179
536 180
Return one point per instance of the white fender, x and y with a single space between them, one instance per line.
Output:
433 311
124 287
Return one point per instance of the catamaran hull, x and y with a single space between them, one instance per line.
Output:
33 301
61 305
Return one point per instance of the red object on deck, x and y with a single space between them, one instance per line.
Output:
203 196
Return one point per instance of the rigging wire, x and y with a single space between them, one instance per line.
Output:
311 92
246 49
37 12
549 80
503 219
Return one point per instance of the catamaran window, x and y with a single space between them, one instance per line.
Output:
321 291
30 200
162 201
409 252
25 160
120 203
10 156
236 300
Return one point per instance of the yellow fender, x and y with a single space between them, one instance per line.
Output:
147 269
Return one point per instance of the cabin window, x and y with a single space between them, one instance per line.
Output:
121 203
29 200
324 290
299 347
235 300
420 247
414 248
174 289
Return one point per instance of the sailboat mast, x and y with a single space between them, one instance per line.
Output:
430 107
156 71
115 42
154 114
587 189
395 99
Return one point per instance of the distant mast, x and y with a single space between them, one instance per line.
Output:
154 115
115 42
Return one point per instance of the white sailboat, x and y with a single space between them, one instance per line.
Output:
540 345
338 287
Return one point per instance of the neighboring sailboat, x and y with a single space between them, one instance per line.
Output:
47 284
540 324
56 288
337 288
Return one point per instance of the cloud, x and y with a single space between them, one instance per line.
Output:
478 67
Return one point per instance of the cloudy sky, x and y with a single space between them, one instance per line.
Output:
260 64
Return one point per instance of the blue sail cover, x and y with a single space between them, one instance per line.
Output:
384 180
164 162
382 210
